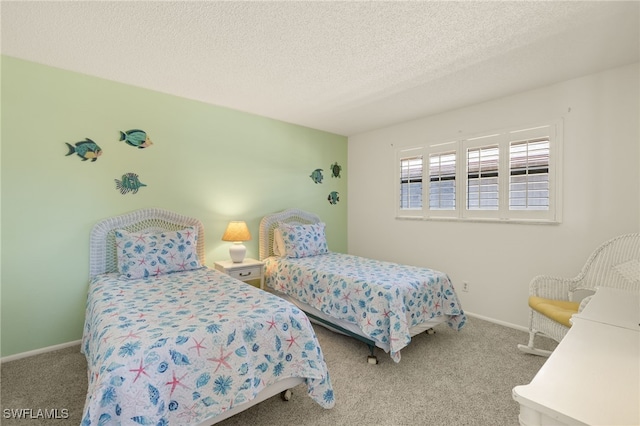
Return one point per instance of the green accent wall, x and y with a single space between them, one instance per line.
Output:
206 161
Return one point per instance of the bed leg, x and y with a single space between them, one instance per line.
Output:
372 358
286 395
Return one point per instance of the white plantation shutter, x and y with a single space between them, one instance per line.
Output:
442 181
482 178
410 171
411 183
529 174
482 172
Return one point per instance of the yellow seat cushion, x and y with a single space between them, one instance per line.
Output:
558 310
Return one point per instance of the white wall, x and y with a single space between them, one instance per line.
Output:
601 186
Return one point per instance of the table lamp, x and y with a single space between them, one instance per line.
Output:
237 232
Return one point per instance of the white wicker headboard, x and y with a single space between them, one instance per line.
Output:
270 222
102 248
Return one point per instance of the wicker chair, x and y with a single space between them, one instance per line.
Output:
616 263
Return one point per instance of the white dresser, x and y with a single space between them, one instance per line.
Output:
593 376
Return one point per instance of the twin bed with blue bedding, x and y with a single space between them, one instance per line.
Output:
381 303
169 341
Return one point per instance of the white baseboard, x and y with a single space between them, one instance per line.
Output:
495 321
39 351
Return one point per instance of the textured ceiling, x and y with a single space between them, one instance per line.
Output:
344 67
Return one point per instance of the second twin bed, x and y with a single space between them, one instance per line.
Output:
381 303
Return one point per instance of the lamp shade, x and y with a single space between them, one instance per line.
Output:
236 231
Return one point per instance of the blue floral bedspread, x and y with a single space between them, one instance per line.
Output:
184 347
383 299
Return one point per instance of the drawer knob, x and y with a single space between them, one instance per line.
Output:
245 274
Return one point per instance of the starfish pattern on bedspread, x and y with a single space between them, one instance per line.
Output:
383 299
184 347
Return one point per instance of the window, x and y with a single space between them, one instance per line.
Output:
482 178
509 175
411 183
529 174
442 181
410 188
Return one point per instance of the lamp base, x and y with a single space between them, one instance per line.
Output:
237 252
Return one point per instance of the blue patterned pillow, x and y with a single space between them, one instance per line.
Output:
304 240
145 254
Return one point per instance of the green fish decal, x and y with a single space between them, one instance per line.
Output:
136 137
335 170
129 182
316 176
86 149
333 197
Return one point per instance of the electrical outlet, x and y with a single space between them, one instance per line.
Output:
465 286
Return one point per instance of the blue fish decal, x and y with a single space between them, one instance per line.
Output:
333 197
136 137
86 149
316 176
129 182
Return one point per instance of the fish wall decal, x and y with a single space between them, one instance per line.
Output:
316 176
129 183
333 197
86 149
136 138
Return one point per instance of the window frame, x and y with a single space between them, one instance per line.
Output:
503 138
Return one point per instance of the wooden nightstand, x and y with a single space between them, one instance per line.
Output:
249 269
